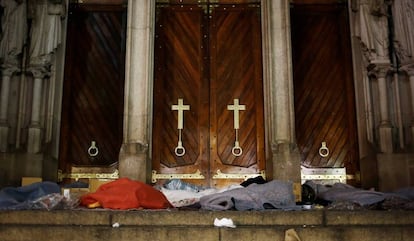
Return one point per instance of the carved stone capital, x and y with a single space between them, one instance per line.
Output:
11 62
379 69
408 68
402 53
39 72
9 71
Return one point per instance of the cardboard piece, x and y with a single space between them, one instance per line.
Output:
30 180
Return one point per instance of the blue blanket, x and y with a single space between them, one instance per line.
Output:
18 198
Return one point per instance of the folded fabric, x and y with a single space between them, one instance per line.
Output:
272 195
24 197
126 194
177 184
182 198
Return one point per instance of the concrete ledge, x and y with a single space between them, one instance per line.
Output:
319 234
315 225
61 217
92 233
130 233
206 218
165 218
369 218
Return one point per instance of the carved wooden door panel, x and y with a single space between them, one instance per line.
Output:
323 85
93 86
208 60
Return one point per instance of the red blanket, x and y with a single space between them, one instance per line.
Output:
126 194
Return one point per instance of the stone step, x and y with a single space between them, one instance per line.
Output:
313 225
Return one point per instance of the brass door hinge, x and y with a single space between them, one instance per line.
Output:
156 176
244 176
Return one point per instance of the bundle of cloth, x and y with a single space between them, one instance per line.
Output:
271 195
122 193
40 195
253 194
345 196
183 194
125 193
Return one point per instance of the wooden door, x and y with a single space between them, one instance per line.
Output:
208 56
323 85
93 86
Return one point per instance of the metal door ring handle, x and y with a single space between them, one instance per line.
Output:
179 151
237 151
323 151
93 149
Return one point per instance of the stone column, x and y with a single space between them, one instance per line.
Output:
4 126
385 127
279 90
34 142
134 154
409 69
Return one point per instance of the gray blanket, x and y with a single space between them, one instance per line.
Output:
272 195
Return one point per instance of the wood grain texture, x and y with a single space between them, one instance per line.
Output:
323 85
179 74
93 86
208 58
236 73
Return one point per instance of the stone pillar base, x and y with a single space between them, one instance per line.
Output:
412 136
385 139
4 134
286 162
34 142
395 171
15 165
133 162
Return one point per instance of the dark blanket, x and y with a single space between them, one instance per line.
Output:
344 192
17 198
344 196
272 195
